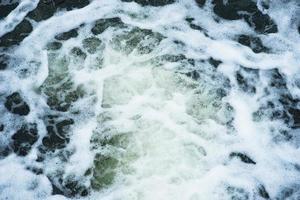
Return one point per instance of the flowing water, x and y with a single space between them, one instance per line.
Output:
150 99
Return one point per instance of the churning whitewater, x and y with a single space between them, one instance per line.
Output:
150 99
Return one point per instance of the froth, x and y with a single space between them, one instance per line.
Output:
143 102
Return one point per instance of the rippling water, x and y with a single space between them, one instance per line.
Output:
150 99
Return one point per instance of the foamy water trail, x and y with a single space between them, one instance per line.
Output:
16 16
111 99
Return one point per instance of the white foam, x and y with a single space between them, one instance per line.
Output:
178 132
17 15
18 183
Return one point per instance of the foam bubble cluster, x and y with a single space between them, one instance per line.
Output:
144 99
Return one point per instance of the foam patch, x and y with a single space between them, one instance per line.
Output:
184 99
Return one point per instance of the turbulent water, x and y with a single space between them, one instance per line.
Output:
150 99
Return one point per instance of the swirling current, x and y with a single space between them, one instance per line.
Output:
150 99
